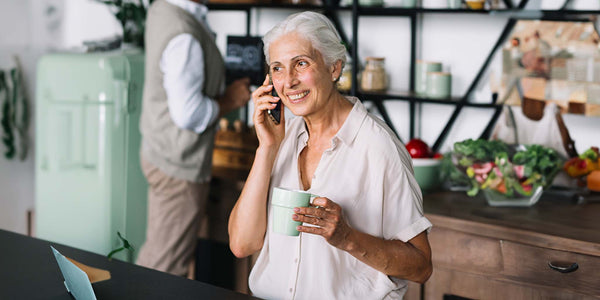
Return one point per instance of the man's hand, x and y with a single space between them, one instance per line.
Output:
329 219
236 95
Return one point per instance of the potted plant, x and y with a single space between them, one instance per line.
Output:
132 16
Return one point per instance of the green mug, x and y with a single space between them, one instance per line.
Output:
283 202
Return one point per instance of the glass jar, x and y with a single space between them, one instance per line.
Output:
373 77
344 84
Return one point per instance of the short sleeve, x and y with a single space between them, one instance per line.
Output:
403 217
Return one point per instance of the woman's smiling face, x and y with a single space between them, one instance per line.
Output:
300 76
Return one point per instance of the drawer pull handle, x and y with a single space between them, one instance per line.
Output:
563 267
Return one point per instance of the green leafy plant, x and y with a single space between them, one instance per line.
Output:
471 151
540 160
132 16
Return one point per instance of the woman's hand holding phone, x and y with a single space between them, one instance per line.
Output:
275 113
269 133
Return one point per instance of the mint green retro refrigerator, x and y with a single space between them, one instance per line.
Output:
89 184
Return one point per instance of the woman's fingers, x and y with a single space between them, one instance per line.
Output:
328 219
314 212
324 202
309 219
261 105
323 209
265 100
261 91
265 105
310 229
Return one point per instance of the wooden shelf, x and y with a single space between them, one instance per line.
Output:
413 97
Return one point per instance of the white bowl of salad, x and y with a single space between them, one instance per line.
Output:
508 175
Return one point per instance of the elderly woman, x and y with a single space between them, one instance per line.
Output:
366 234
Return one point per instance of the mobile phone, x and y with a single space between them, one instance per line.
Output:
275 113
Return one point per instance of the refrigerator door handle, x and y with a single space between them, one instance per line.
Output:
131 103
89 136
121 99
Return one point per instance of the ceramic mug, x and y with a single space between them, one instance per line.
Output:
439 85
409 3
454 4
421 70
283 202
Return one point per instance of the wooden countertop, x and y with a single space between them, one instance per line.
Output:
554 222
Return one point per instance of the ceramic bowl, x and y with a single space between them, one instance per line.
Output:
427 172
494 198
475 4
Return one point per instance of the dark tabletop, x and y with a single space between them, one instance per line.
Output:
28 270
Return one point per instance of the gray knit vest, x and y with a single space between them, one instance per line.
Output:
177 152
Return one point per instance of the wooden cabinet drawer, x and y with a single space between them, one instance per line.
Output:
513 262
444 282
530 264
463 251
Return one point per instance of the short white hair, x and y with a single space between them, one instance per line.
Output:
314 27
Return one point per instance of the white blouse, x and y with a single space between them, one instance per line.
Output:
368 172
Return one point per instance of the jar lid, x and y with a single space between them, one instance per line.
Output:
422 61
439 73
375 58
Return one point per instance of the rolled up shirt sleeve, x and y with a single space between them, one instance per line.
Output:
403 217
182 63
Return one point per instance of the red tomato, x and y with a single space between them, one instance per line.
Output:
418 149
501 187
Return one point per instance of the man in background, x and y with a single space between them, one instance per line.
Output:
184 96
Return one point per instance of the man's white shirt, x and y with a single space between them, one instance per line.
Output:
182 63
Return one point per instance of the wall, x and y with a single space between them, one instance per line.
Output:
29 28
87 20
462 42
16 177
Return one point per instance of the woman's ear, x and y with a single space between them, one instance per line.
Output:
336 70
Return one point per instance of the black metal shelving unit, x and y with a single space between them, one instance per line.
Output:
512 13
